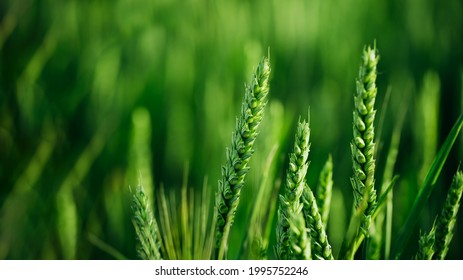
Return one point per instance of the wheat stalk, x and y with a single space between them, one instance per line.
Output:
363 146
321 248
236 167
446 221
146 227
290 208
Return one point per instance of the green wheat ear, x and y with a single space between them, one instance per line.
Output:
363 146
299 240
146 227
324 190
236 167
446 221
426 245
290 227
321 249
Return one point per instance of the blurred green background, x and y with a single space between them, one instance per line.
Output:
94 94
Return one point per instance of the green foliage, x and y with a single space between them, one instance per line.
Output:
185 222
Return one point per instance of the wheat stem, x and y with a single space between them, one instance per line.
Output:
236 167
260 216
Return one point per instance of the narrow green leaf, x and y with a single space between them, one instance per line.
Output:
105 247
383 198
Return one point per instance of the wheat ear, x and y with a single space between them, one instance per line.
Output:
146 227
446 221
290 207
321 249
299 239
363 146
426 245
236 167
324 190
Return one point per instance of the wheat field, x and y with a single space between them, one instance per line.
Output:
129 129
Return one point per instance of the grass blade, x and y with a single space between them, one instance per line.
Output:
428 129
389 170
381 236
168 246
105 247
17 204
260 215
425 191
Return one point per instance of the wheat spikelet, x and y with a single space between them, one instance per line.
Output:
290 208
324 190
321 248
236 167
146 227
446 221
363 146
426 245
